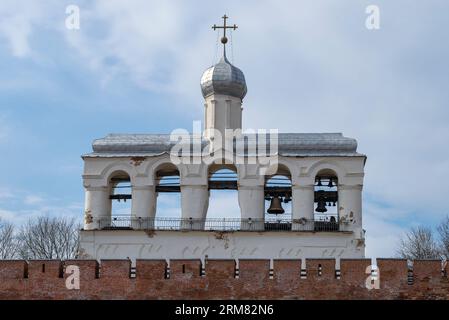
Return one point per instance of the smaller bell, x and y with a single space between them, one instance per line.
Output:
275 206
321 207
330 185
319 182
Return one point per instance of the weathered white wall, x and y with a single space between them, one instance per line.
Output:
120 244
222 112
194 193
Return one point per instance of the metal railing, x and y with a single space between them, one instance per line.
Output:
217 224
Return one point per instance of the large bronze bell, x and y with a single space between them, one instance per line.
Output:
321 207
275 206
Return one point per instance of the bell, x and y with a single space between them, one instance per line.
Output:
275 206
319 182
330 185
321 207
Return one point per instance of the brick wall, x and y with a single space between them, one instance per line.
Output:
223 279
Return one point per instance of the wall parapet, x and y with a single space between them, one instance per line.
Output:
223 279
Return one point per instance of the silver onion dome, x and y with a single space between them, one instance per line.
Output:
223 78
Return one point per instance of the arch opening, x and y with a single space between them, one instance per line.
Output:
168 194
326 213
223 195
278 200
120 198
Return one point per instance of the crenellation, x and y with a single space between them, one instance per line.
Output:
219 282
13 269
44 269
426 269
185 269
320 269
89 269
115 269
151 269
217 270
254 269
354 271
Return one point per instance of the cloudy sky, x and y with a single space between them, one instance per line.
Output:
310 66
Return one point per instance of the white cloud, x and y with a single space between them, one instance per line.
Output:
14 211
33 199
17 30
135 39
223 204
5 194
383 230
18 20
20 216
168 205
382 238
7 215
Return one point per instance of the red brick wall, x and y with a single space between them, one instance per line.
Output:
353 277
286 271
111 279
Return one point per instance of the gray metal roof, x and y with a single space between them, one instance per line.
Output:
289 144
223 78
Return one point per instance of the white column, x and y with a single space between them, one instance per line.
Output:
350 204
252 207
302 207
143 207
194 204
97 206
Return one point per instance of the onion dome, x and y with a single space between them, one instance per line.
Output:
223 78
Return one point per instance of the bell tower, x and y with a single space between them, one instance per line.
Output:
314 182
223 87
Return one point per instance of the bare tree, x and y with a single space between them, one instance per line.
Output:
49 238
443 231
8 241
419 243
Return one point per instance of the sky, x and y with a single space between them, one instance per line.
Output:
310 66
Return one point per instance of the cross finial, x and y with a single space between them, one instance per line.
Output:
224 39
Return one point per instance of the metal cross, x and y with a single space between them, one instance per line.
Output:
224 27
